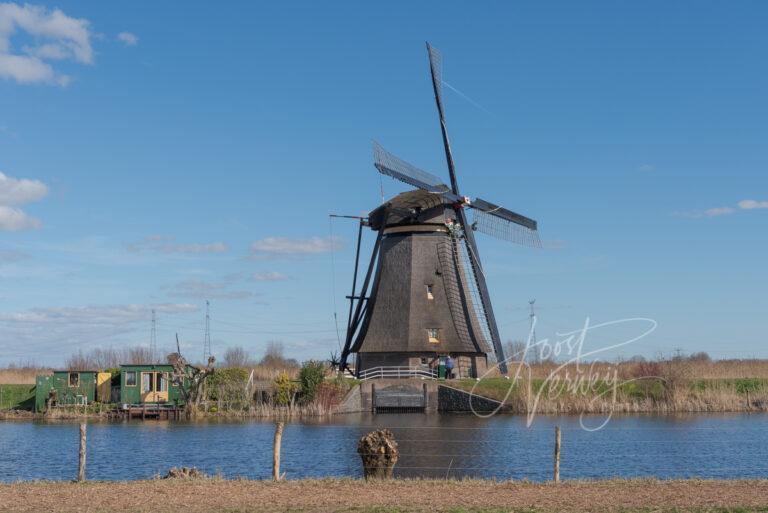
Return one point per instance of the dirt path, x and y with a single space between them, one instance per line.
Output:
193 496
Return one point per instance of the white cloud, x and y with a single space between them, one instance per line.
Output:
269 276
56 37
168 245
127 38
646 168
718 211
42 332
27 70
108 315
752 204
198 289
724 211
15 192
14 219
273 247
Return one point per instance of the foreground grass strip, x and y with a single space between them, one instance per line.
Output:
397 496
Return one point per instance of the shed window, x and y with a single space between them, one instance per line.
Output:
430 295
130 378
74 379
434 335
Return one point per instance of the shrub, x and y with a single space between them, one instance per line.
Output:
329 394
284 389
746 385
311 375
227 386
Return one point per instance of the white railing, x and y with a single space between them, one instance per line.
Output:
397 372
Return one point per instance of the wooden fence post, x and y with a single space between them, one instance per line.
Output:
557 455
276 451
81 454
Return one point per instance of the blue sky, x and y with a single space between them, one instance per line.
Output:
160 154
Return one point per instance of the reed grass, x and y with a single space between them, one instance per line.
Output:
651 395
22 375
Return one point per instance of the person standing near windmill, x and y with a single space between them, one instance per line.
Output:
448 367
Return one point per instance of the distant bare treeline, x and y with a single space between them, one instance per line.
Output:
273 358
271 363
111 358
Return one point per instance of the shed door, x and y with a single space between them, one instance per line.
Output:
148 387
154 387
161 387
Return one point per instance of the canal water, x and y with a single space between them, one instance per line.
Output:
729 446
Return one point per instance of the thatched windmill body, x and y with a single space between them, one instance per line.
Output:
425 294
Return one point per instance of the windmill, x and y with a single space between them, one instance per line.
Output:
428 296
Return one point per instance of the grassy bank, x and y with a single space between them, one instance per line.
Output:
17 397
477 496
646 395
680 384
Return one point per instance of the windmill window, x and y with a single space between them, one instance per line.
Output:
434 335
130 378
74 379
430 294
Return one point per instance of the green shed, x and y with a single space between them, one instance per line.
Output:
140 384
66 387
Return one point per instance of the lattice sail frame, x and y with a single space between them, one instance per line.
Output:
392 165
474 291
504 229
455 251
446 255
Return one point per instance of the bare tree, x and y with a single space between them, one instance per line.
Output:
274 356
80 361
138 355
189 379
109 358
515 350
237 356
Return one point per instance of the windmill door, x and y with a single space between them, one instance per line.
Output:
154 387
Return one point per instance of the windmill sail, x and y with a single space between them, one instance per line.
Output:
503 213
391 165
483 297
449 257
474 299
505 229
436 68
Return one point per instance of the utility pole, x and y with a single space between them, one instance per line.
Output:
207 342
153 339
532 332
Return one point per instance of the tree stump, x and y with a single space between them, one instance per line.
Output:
379 453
